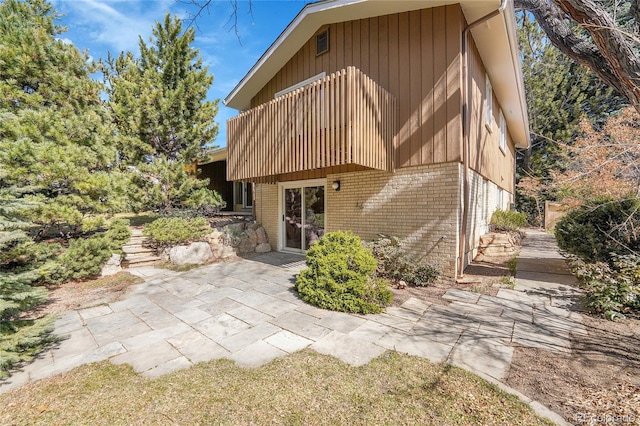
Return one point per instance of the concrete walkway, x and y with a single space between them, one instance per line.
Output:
247 310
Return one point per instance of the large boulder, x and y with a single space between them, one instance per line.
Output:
194 253
254 226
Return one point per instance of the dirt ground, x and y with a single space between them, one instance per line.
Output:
85 294
597 383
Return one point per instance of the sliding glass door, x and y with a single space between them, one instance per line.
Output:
303 215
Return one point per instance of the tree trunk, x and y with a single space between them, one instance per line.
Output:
609 53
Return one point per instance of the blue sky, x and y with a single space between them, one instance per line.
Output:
102 26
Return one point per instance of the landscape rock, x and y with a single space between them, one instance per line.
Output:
245 245
112 266
254 226
261 235
194 253
263 248
252 236
234 228
164 254
224 252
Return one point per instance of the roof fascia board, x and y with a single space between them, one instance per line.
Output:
306 10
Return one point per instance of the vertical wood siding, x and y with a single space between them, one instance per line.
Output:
345 118
485 156
416 56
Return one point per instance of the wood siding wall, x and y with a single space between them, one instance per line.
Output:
414 55
342 119
485 156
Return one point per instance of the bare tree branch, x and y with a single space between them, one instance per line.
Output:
201 6
608 53
611 42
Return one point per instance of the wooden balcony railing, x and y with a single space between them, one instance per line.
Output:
344 118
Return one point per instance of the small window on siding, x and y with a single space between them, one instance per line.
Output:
503 133
322 42
488 106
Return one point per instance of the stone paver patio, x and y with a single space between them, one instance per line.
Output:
248 311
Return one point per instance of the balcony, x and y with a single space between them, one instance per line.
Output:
342 119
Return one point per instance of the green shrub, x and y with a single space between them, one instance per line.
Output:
422 275
508 220
168 231
85 256
611 290
395 265
340 276
600 228
118 233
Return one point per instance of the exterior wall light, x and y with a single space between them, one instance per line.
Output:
336 185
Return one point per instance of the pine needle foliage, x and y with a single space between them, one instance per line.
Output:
56 137
23 265
158 100
341 276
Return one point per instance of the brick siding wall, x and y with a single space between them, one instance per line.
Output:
266 199
419 204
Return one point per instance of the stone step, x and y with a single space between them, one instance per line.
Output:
135 249
137 239
497 249
140 261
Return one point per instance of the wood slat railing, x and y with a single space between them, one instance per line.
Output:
344 118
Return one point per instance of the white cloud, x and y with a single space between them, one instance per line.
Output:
115 25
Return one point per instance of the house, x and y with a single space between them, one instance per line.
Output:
237 195
394 117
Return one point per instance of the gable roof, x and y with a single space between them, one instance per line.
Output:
495 39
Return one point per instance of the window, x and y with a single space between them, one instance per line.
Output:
322 42
485 201
242 195
503 133
488 106
299 85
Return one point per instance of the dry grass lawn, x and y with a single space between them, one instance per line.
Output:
301 389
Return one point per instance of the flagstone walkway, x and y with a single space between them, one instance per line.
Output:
248 311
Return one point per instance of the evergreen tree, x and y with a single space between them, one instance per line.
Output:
22 264
56 135
559 94
56 164
163 120
158 100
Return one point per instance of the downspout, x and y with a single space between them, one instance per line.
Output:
466 137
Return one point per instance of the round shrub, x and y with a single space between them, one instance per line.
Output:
601 228
394 264
340 276
168 231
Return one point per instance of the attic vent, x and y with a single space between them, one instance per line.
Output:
322 42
